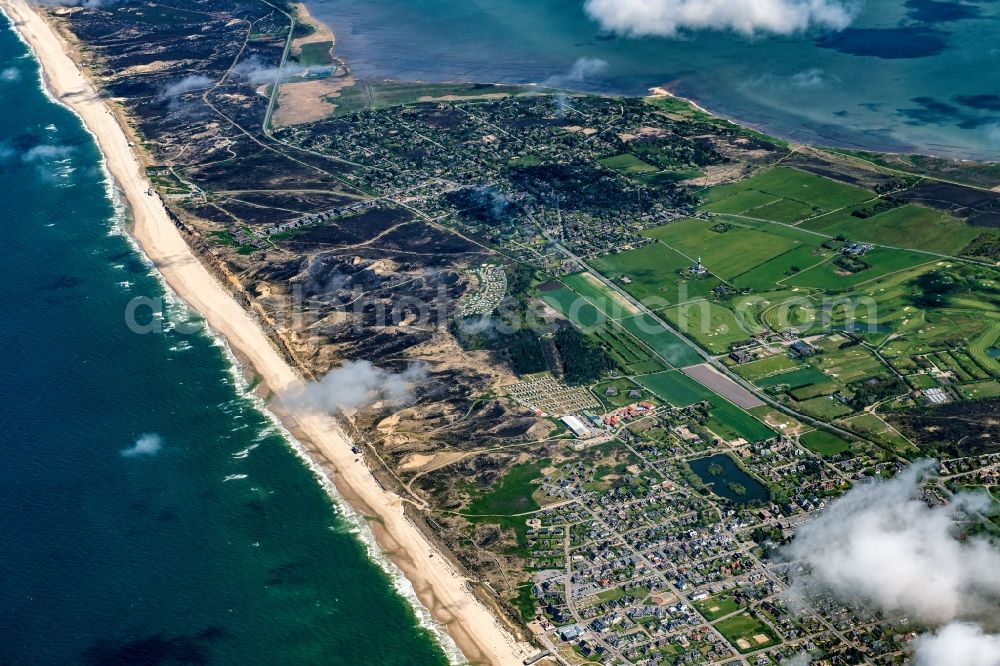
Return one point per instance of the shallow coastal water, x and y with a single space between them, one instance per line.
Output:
151 513
921 75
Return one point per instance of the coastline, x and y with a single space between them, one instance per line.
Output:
437 586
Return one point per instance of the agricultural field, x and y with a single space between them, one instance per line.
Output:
628 353
807 194
653 275
909 226
727 253
600 296
664 343
829 276
777 271
676 388
569 304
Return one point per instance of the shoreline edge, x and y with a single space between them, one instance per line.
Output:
437 585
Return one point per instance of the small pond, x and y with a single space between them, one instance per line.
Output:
724 478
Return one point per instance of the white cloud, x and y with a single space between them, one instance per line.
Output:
148 444
667 18
10 74
957 644
882 544
359 384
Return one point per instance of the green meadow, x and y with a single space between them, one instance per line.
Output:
807 194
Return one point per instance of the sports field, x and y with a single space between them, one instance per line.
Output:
794 379
729 421
824 443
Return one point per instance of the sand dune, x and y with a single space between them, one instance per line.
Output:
442 590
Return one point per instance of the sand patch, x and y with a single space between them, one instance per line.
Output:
309 101
320 33
429 461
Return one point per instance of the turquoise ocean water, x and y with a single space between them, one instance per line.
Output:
150 513
918 75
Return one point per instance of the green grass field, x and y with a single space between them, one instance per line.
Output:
729 421
746 632
390 93
778 270
830 277
794 379
569 304
909 226
676 388
715 607
710 324
980 390
783 210
824 408
873 426
655 274
315 53
978 348
741 201
849 365
603 298
667 345
824 443
725 254
766 367
816 192
628 165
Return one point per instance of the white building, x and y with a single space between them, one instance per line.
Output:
577 426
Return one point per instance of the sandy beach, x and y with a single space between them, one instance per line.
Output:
438 586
